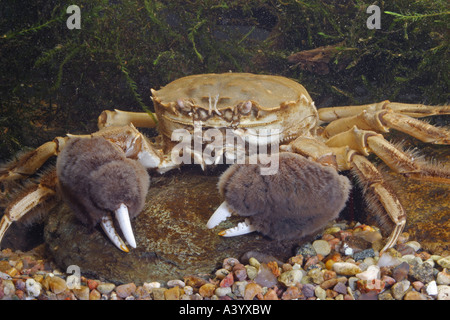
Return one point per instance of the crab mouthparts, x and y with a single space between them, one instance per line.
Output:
123 218
222 213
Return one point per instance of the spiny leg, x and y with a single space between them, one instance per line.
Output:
403 162
30 162
410 109
380 197
382 121
29 201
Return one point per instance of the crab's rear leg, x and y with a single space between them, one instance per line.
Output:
379 196
382 121
33 198
400 161
409 109
30 162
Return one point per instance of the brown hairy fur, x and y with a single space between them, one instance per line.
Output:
296 201
95 177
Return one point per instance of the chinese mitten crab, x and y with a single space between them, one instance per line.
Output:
201 117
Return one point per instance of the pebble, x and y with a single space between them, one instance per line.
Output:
125 290
399 289
106 288
341 264
443 277
346 268
432 288
322 247
444 262
443 292
372 273
290 278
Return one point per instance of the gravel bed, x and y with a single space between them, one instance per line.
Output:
343 263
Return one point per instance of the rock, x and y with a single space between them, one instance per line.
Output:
251 291
125 290
271 294
94 295
340 288
222 291
444 262
252 272
308 290
238 288
142 293
82 293
387 260
443 277
320 293
291 293
422 272
106 288
158 293
173 293
322 247
33 288
371 286
171 235
432 289
368 253
175 283
306 250
56 284
346 268
207 290
443 292
372 272
290 278
414 244
227 281
8 288
400 272
399 289
414 295
92 284
265 277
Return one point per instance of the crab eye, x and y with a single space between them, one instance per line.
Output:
184 106
245 108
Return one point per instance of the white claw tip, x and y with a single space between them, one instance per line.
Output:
221 214
123 218
241 229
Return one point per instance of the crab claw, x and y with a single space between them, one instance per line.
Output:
242 228
107 225
221 214
123 218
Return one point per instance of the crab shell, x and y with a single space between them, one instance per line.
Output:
243 102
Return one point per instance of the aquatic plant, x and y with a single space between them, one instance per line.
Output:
61 79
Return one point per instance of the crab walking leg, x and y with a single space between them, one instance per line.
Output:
24 205
123 218
115 118
382 121
30 162
380 195
107 225
412 110
365 141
